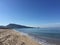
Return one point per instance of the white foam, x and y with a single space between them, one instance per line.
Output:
43 42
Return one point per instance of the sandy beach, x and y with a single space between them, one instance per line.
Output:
11 37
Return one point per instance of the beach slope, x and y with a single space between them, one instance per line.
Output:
12 37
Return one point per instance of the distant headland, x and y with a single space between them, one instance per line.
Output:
13 26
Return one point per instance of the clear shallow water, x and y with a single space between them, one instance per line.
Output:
50 35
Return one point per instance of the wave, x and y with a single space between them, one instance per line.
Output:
41 41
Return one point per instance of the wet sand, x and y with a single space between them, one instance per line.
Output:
11 37
46 40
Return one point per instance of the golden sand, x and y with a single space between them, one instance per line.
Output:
11 37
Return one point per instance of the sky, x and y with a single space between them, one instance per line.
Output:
30 12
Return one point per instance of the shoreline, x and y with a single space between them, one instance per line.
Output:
27 35
46 40
34 39
13 37
40 41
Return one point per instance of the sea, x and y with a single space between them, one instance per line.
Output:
44 36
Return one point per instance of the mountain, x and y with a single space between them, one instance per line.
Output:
13 26
17 26
3 27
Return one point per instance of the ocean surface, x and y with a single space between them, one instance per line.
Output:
45 36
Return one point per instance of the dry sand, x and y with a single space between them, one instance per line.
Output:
11 37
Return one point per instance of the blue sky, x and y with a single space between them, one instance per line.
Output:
30 12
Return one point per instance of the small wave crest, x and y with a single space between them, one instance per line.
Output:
41 41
